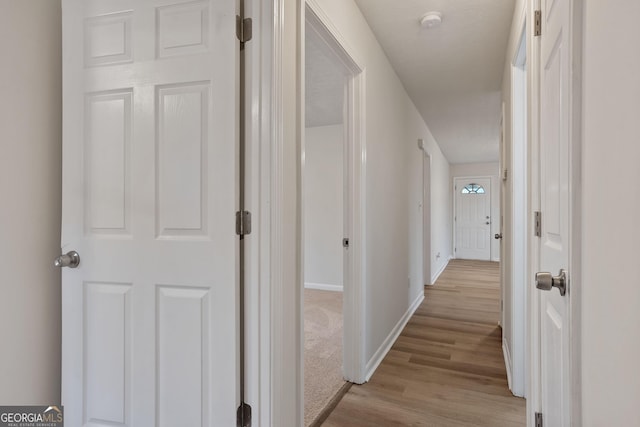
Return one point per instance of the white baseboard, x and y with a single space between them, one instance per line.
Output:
507 361
382 351
323 287
439 272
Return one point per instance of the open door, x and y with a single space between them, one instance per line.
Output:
149 201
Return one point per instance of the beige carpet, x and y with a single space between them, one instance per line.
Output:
322 350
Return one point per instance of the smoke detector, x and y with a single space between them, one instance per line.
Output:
431 20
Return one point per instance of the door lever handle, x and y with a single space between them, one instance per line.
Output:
546 281
497 236
71 259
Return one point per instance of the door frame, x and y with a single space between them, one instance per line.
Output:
270 190
354 362
275 89
455 210
574 292
426 218
502 180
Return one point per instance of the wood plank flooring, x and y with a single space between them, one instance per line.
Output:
446 368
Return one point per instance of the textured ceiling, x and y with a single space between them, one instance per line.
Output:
324 83
453 73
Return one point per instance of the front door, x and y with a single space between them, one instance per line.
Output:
473 218
554 203
149 196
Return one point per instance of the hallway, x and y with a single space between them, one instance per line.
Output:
446 368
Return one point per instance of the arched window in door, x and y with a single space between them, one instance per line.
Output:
473 188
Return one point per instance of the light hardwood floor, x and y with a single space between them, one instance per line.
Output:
446 368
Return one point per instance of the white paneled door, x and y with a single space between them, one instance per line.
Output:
473 218
555 201
149 198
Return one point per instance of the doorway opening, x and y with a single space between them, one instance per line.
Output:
332 220
323 189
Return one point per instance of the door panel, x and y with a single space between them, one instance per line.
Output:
107 203
473 219
149 200
181 174
107 338
554 200
181 375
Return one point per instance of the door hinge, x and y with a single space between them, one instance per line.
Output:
243 223
244 29
538 419
243 415
537 23
538 224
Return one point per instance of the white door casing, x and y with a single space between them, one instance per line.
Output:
473 219
501 235
149 195
426 218
555 174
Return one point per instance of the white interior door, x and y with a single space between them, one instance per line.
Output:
149 195
554 201
473 218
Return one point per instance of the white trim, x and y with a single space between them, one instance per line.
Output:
502 180
276 204
323 287
533 319
348 56
386 345
261 71
427 264
440 271
507 361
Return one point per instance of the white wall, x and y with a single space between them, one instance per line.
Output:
30 175
323 206
610 278
393 183
484 169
